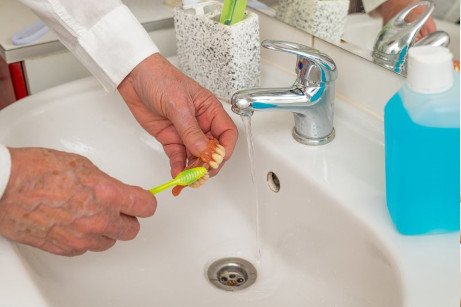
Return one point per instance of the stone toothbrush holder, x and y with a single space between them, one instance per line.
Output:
223 59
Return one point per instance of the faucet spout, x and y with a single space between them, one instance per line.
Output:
291 99
313 117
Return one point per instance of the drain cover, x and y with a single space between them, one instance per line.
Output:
232 274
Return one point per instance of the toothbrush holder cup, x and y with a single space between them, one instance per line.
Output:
224 59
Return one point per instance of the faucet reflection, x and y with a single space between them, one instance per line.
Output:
397 36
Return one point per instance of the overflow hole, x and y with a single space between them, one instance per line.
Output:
273 182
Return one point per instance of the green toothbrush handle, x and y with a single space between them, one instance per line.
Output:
163 187
186 177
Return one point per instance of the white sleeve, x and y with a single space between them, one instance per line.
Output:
5 168
104 35
370 5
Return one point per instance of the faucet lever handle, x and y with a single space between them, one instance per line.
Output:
398 35
307 57
399 19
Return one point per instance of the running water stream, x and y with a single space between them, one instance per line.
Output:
251 153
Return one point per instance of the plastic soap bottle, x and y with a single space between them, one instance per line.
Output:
422 145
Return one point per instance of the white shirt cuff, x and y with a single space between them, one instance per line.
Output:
5 168
114 46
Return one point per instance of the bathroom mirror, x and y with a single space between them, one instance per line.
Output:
346 23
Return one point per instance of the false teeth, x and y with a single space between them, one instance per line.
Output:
212 158
220 150
217 158
200 182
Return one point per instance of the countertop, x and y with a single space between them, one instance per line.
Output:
15 16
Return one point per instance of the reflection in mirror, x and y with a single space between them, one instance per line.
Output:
400 33
324 19
357 25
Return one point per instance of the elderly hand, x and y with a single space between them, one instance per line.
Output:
176 110
390 8
63 204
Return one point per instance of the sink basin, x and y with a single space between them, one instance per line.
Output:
362 30
325 236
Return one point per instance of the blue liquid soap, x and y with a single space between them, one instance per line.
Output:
423 160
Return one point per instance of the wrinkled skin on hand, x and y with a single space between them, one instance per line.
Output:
177 111
390 8
62 203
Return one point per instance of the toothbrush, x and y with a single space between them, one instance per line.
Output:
233 11
184 178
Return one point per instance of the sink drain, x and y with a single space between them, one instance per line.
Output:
232 274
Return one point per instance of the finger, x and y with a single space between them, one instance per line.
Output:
130 200
119 227
126 228
228 139
425 30
73 246
178 156
101 243
62 241
430 25
225 130
174 148
67 252
213 172
51 248
188 129
74 252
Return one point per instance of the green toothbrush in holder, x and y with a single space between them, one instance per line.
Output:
233 11
222 58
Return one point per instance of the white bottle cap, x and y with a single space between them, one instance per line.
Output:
430 69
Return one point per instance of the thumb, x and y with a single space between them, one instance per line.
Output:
189 130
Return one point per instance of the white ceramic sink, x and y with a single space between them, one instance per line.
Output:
362 30
326 236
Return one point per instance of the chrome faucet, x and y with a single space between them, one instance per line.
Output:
310 98
397 36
